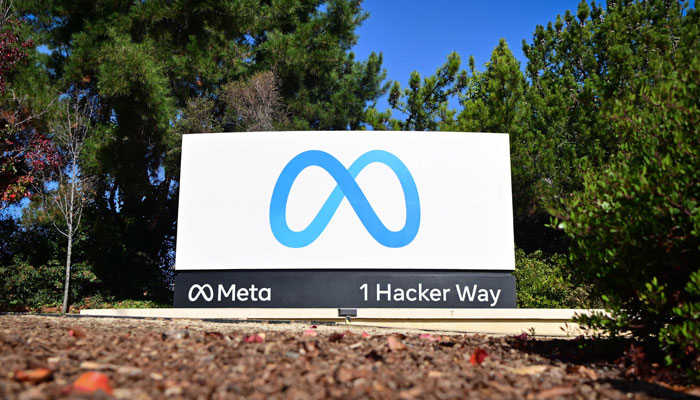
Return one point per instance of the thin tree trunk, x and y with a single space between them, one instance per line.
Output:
70 234
67 284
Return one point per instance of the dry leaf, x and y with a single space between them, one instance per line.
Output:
34 375
344 375
580 369
478 356
558 391
335 337
216 335
77 331
366 335
90 382
309 332
529 370
395 343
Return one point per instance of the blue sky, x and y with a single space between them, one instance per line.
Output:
418 35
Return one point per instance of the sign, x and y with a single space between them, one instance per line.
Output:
344 289
345 200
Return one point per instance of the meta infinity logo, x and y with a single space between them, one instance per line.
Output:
346 188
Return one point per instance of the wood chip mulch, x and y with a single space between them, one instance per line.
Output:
58 357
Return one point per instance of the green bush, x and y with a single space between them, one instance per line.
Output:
542 283
25 287
635 227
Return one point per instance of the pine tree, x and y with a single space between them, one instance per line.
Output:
144 61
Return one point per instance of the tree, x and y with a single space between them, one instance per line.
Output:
634 227
256 104
73 189
25 152
495 101
145 62
579 67
425 104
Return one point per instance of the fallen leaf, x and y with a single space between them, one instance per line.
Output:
217 335
254 339
432 338
366 335
90 382
335 337
344 375
580 369
478 356
77 331
529 370
395 343
558 391
93 365
309 332
411 393
34 375
374 356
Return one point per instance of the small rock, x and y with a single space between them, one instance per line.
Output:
93 365
291 354
32 394
129 371
175 334
156 376
173 391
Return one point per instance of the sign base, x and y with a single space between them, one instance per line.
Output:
343 289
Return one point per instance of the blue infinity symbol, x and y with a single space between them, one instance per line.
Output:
348 188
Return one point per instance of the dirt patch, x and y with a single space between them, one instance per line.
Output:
196 359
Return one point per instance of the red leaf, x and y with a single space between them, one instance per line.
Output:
92 381
254 339
309 332
478 356
34 375
432 338
366 335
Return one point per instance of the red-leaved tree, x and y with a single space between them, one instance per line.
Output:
24 152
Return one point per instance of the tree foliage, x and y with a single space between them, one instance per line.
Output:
25 152
635 224
154 67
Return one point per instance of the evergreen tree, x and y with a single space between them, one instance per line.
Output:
143 62
579 67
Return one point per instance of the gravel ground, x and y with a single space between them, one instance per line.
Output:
43 357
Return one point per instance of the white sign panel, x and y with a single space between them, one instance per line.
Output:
331 200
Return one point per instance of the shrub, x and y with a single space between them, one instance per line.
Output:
542 283
29 288
635 227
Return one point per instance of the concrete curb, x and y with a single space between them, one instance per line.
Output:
509 321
